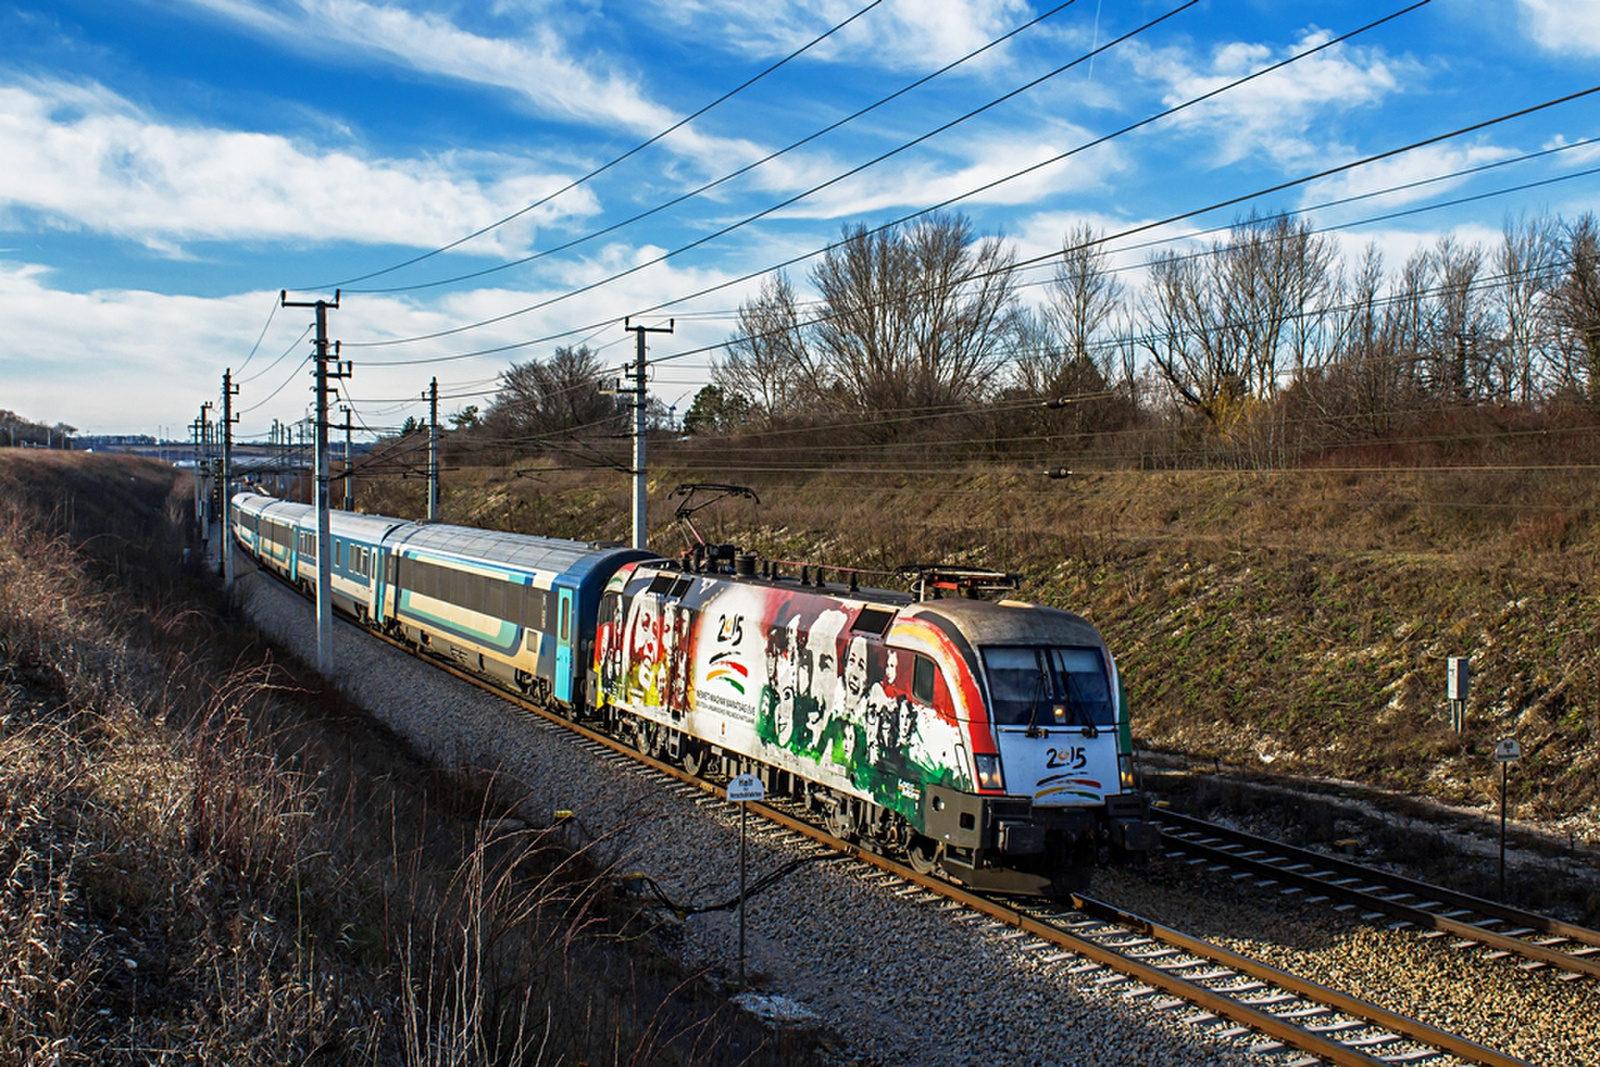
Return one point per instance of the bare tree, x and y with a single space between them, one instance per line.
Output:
1527 260
913 317
1575 308
1083 294
551 396
1457 346
767 363
1053 393
1234 323
1182 328
1275 281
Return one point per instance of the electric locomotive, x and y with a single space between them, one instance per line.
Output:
989 740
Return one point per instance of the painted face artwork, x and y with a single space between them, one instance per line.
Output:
645 648
782 675
855 670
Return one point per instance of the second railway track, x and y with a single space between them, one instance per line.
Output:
1470 922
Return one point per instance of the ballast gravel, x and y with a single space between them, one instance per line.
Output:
898 978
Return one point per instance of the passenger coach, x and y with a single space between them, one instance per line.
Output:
516 607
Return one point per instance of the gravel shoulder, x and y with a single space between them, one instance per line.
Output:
1535 1015
898 979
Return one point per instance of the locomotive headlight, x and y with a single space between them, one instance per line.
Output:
989 776
1125 772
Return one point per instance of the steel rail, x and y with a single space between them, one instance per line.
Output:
1389 906
1406 1026
1199 995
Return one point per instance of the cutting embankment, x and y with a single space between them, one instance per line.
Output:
205 851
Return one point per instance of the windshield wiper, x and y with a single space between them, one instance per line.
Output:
1034 730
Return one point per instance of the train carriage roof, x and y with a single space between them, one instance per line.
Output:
269 507
520 551
370 528
344 524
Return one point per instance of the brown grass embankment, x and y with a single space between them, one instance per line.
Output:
207 856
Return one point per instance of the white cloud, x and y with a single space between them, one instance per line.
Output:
135 359
1566 27
125 354
84 158
536 65
1430 162
898 34
1279 114
979 161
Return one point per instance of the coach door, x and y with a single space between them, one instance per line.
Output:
564 645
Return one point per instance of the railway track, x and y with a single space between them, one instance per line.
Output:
1469 923
1229 995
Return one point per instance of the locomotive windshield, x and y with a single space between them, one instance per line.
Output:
1027 685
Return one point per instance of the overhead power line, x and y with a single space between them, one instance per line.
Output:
747 168
987 186
259 337
635 150
1169 220
860 168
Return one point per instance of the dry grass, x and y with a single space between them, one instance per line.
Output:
204 857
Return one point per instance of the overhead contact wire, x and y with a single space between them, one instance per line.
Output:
797 197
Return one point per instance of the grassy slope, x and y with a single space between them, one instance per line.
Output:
205 854
1286 622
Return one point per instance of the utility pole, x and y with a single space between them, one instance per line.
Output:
194 432
433 450
320 444
640 502
202 462
349 484
229 391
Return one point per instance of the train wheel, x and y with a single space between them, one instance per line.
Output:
841 821
647 739
924 854
523 679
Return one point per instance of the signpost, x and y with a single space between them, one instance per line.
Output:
1458 686
1505 751
743 788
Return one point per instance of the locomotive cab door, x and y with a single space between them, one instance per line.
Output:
564 638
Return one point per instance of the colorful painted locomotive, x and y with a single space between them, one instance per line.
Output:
988 740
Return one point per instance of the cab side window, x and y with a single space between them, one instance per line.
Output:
922 675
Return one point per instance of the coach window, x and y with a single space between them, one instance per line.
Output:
565 635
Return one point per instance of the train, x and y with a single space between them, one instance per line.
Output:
985 740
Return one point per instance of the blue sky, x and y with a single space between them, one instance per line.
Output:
170 165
